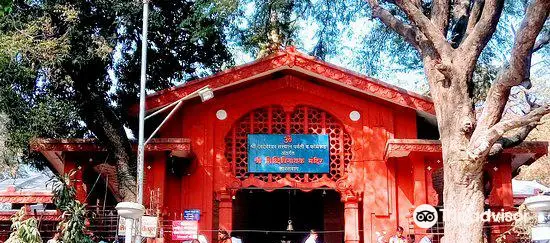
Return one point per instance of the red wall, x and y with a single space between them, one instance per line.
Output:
368 173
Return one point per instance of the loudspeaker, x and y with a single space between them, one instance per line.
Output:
180 166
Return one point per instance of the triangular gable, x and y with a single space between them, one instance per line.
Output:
290 59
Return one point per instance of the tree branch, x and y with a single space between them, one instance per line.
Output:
440 15
475 14
482 31
519 66
426 27
482 145
406 31
531 119
511 141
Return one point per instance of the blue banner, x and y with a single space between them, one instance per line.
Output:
278 153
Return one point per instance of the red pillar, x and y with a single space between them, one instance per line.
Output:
419 174
226 210
351 217
501 196
77 179
420 192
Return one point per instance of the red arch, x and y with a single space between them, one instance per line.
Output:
275 120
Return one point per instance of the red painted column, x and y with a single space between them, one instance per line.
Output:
501 196
76 179
79 186
420 192
226 210
501 175
351 217
419 174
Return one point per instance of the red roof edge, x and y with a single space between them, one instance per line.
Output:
403 147
78 144
294 60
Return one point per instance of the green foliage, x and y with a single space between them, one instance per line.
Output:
380 53
61 61
24 230
251 22
382 47
63 190
5 7
73 224
74 212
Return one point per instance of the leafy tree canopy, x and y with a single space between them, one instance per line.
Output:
71 68
342 31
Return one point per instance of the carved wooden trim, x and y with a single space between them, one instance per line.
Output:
27 198
55 217
82 145
403 147
290 59
275 119
348 194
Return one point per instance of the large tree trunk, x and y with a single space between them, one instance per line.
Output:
108 128
449 67
463 192
100 118
462 195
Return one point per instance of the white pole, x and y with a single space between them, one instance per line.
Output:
128 233
141 145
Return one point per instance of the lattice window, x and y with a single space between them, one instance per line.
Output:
274 120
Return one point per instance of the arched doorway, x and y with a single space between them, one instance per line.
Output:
264 202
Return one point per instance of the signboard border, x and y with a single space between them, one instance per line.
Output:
248 172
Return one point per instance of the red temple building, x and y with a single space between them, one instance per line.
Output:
384 157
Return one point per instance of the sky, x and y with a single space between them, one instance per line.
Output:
351 42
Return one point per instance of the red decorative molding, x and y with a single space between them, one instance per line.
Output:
402 147
82 145
347 191
43 216
225 195
290 59
27 198
534 147
294 120
10 195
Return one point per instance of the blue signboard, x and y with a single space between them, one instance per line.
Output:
277 153
192 214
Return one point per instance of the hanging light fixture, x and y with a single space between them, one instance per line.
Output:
206 93
289 226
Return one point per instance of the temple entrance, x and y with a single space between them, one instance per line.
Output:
262 217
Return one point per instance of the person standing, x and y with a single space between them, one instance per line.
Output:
312 238
398 238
